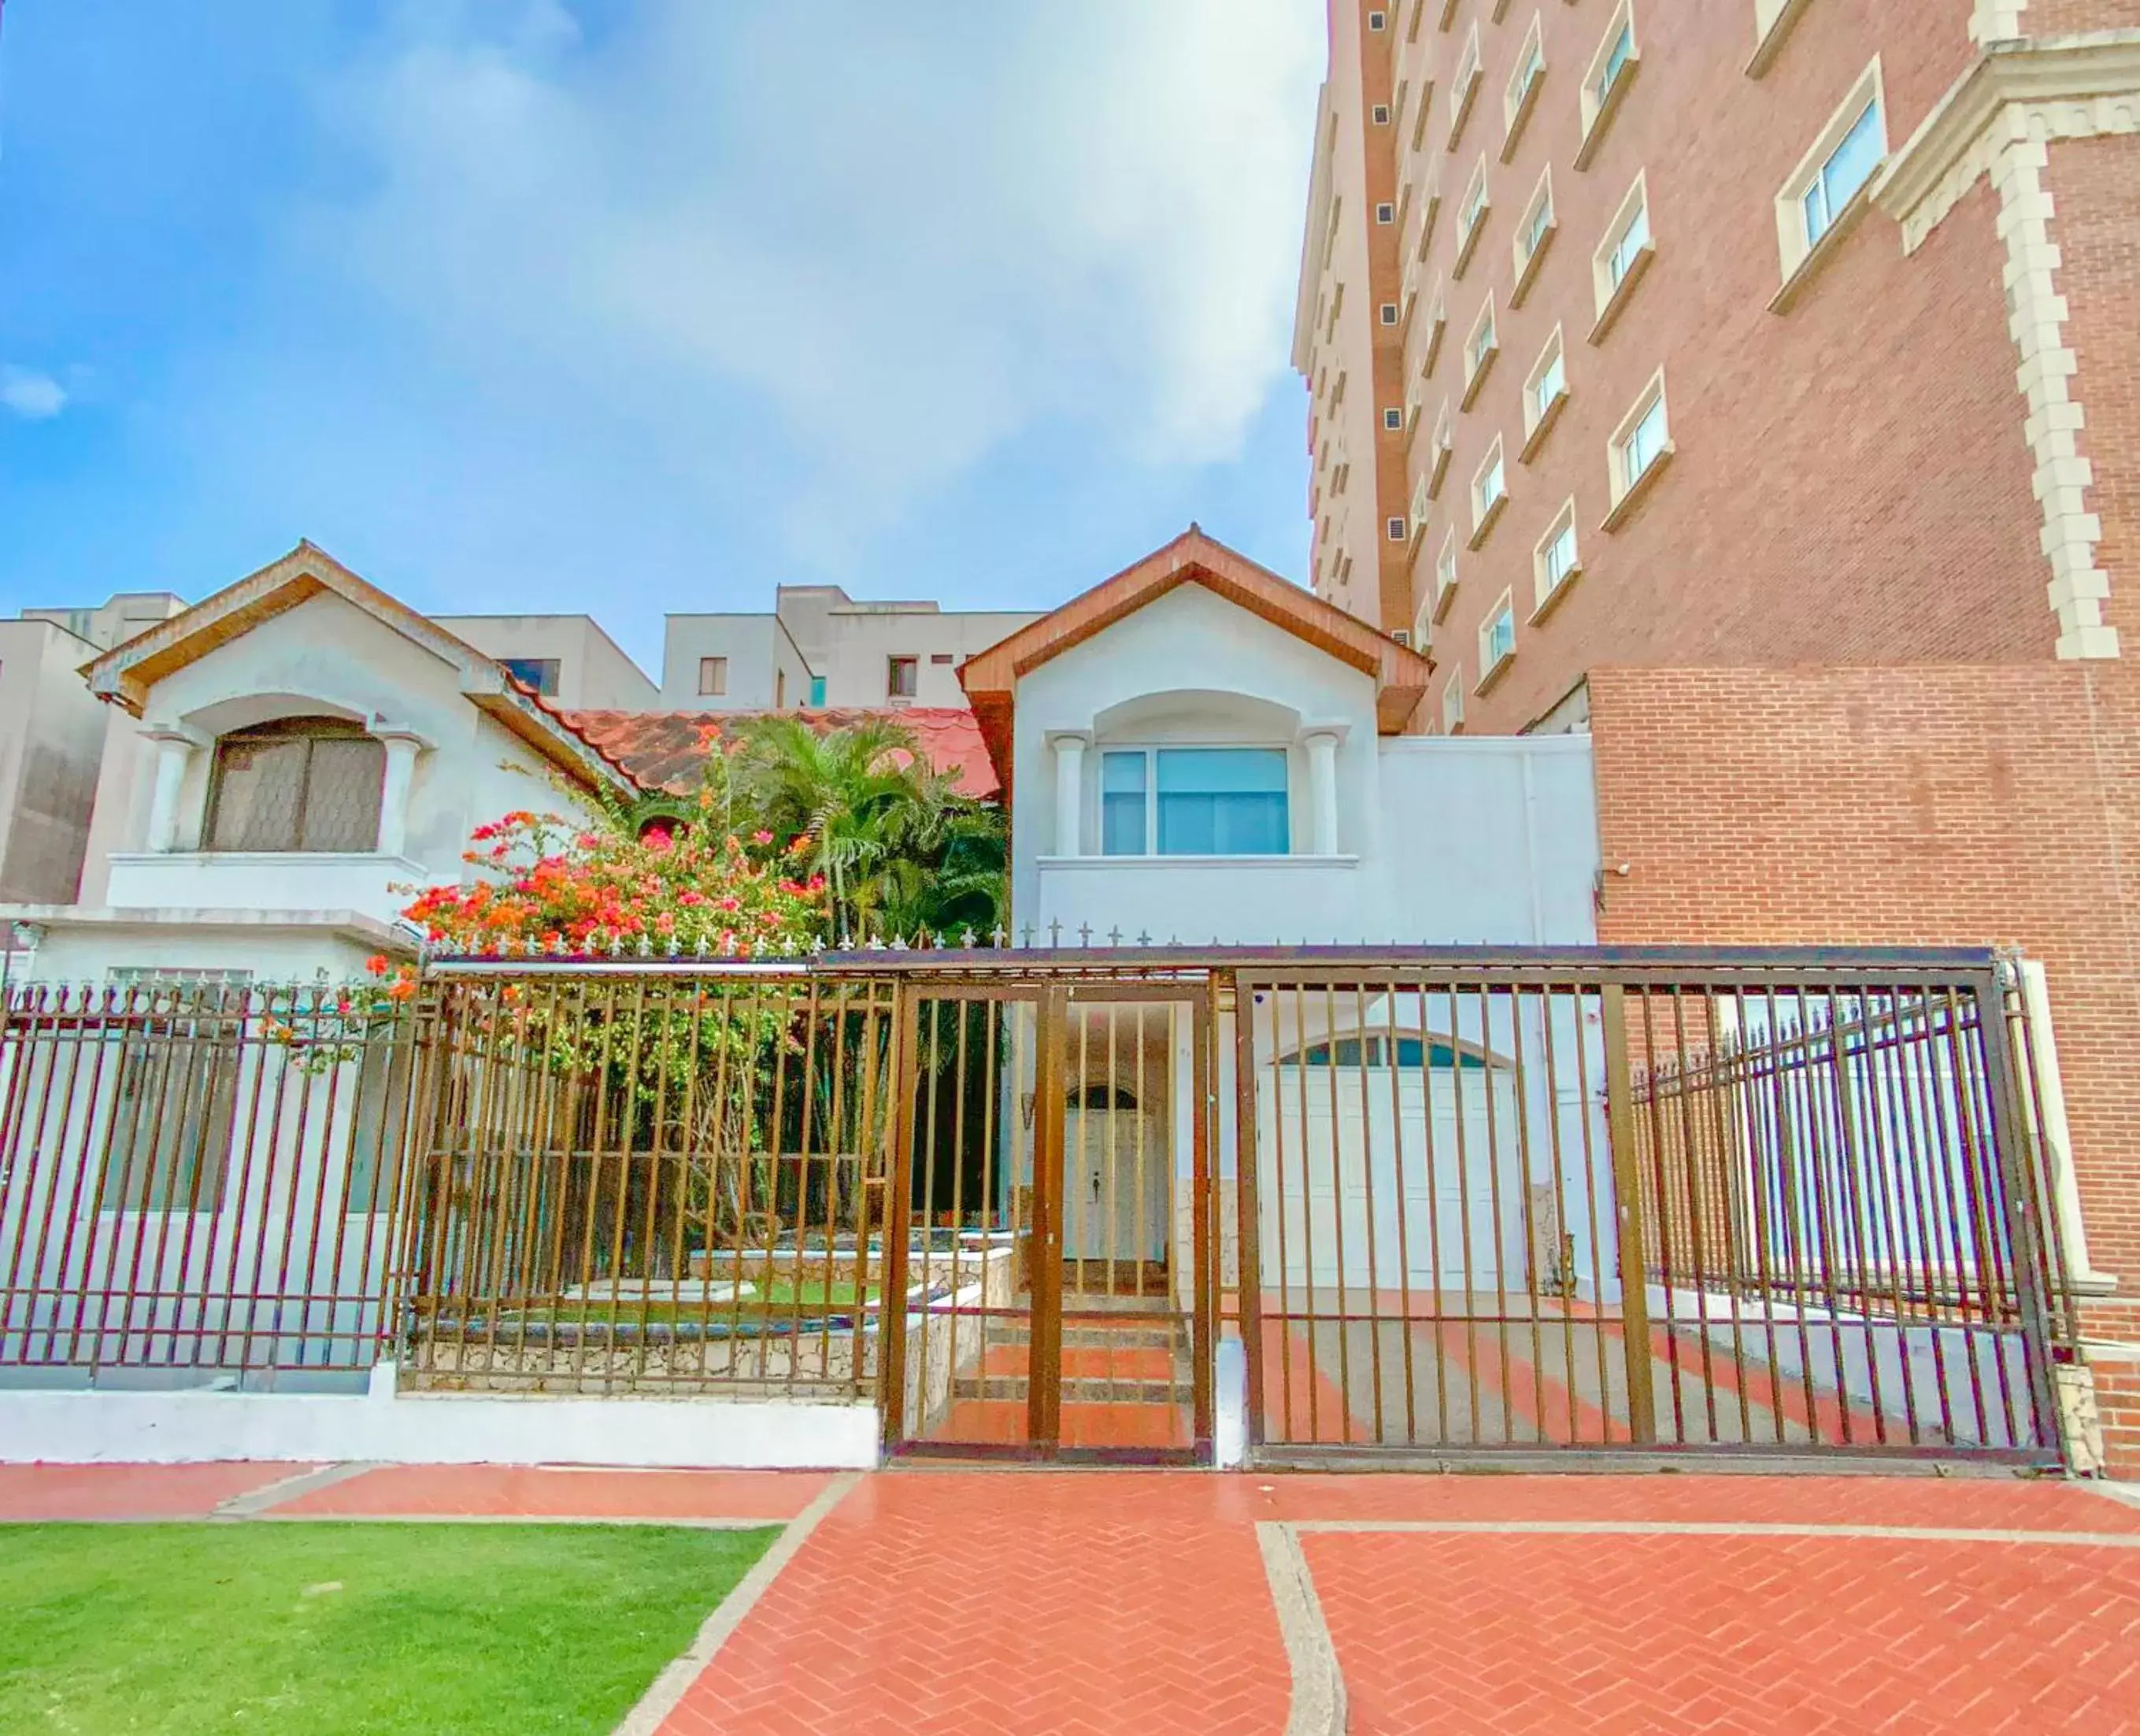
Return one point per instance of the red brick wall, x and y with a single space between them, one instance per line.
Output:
2059 18
1873 431
1933 805
2094 185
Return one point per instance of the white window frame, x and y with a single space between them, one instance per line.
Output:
1463 87
1494 656
1151 751
1599 102
1613 293
1452 702
1629 484
1444 447
1487 508
1533 237
1552 586
1799 249
1478 359
1521 98
1447 575
1540 413
1471 218
1774 21
1437 325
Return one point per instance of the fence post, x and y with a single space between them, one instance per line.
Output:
1248 1259
2023 1204
898 1210
1628 1212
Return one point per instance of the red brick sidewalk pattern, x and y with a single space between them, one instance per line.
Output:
1665 1635
1013 1603
35 1492
521 1492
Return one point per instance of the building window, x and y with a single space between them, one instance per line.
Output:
1381 113
1824 189
1605 86
1393 421
1388 313
308 784
1641 446
1194 801
1452 702
1397 529
1534 234
1445 575
1470 219
817 689
903 675
1479 350
1386 212
780 689
1464 88
1556 560
942 659
1523 92
1489 494
1621 258
1545 392
713 676
1378 21
1497 640
539 673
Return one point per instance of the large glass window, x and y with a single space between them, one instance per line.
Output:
539 673
303 783
1194 802
1847 169
1123 795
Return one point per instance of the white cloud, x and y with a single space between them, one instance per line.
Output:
32 395
909 234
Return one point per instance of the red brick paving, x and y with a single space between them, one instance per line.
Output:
1510 1634
130 1491
513 1491
1073 1604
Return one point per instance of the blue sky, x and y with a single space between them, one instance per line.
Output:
635 305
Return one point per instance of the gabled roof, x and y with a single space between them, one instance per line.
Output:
668 750
991 677
124 674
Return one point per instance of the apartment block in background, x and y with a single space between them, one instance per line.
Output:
1753 332
565 658
821 649
52 743
116 620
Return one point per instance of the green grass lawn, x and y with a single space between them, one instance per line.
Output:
371 1630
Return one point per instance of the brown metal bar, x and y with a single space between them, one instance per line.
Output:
1628 1203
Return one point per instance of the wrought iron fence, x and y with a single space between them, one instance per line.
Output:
1770 1203
671 1182
198 1175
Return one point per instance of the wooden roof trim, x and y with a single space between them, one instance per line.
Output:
124 674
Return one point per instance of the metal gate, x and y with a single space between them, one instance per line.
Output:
1054 1241
1771 1204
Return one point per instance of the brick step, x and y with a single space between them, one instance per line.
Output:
1015 1388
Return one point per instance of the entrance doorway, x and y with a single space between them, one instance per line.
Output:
1048 1203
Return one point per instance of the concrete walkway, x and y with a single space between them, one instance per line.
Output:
957 1600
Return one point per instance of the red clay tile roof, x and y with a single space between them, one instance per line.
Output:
664 750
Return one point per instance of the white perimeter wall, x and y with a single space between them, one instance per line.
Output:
181 1428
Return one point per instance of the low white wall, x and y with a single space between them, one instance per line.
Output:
181 1428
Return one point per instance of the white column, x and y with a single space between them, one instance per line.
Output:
174 753
1069 794
1323 793
402 749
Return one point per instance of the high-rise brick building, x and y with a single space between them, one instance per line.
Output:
1748 332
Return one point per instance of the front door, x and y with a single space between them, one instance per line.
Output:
1056 1305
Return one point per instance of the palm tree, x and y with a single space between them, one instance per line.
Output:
899 849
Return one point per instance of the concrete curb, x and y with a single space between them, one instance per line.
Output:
1318 1706
669 1687
251 1504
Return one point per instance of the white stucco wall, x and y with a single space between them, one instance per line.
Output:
764 663
1470 839
51 735
325 656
